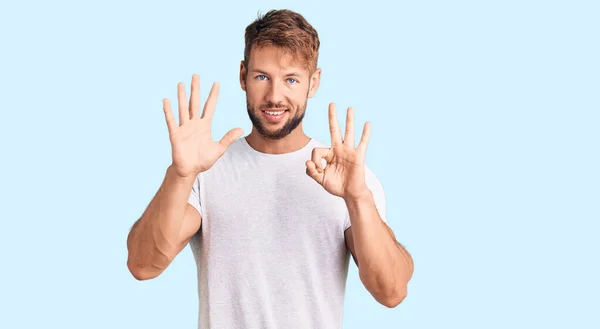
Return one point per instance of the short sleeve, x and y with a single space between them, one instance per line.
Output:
376 188
194 198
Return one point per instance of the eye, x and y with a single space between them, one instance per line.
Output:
261 77
292 80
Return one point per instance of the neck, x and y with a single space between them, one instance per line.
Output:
296 140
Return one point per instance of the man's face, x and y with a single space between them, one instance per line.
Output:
277 90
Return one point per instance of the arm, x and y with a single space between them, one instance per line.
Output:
384 266
164 229
170 221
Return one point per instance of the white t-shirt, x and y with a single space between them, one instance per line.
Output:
271 250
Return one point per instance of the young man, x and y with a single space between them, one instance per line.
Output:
272 218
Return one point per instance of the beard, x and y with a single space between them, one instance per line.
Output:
292 123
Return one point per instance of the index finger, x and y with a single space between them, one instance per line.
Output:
171 123
334 128
211 101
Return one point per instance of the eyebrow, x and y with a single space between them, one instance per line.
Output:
290 74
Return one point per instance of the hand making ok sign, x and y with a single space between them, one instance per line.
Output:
344 173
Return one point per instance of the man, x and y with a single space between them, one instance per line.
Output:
272 218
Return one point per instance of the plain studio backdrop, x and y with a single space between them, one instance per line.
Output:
485 132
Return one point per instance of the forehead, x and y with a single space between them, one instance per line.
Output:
275 59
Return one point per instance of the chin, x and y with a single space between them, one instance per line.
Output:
274 134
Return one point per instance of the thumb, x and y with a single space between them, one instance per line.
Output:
311 170
231 136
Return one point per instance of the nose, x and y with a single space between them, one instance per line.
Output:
274 93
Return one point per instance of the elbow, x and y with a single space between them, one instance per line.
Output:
146 267
390 295
393 300
141 273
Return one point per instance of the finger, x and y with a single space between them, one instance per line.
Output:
334 128
319 153
195 97
211 102
231 136
364 140
171 123
182 100
349 136
311 170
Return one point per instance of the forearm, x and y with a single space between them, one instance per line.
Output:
155 237
385 267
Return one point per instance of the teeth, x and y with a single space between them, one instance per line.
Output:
274 113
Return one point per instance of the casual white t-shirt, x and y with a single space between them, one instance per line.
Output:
271 250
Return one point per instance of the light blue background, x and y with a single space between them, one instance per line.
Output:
485 132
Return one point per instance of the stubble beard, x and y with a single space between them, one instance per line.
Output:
289 126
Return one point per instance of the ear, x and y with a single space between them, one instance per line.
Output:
315 80
243 73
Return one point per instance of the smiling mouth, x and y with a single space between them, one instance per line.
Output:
275 113
275 116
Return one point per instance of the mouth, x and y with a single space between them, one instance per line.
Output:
274 116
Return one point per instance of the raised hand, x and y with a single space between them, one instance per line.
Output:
344 173
193 149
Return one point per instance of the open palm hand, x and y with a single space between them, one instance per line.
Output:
193 149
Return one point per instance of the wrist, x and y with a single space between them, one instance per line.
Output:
172 174
364 196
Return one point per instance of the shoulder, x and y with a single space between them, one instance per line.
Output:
238 148
373 182
239 145
318 143
233 155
